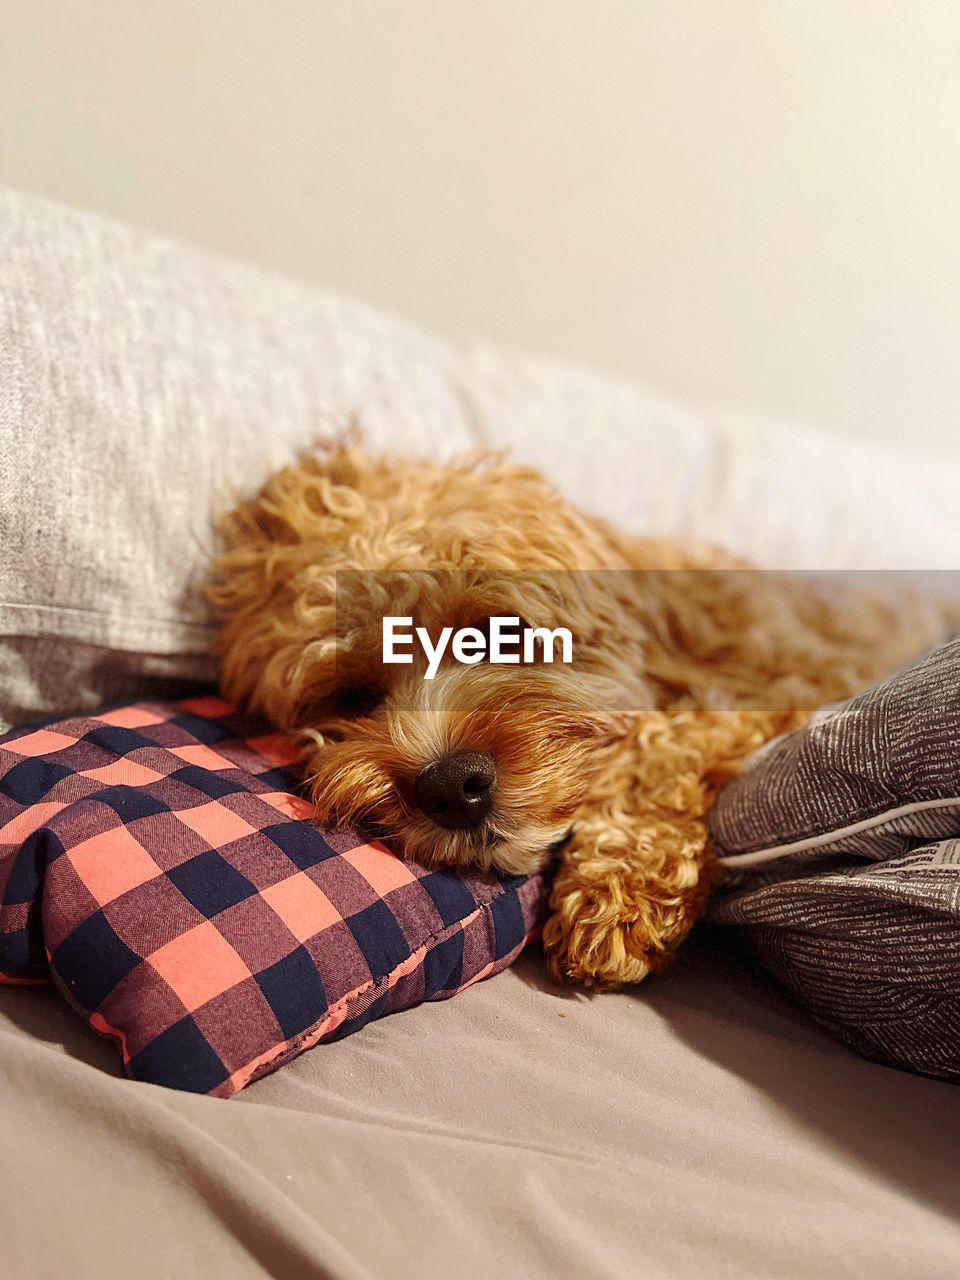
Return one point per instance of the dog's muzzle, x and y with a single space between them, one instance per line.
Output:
456 791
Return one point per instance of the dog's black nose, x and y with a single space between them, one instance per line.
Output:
456 791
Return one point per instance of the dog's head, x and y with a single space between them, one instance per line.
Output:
454 760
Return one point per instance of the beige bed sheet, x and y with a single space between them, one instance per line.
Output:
698 1127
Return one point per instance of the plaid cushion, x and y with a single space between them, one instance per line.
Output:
157 862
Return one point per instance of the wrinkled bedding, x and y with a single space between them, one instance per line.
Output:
700 1126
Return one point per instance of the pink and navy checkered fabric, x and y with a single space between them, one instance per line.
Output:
157 862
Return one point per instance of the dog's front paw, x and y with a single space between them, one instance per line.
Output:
614 922
586 940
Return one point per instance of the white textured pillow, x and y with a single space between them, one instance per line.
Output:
783 496
144 384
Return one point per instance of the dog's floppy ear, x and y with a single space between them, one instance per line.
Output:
275 582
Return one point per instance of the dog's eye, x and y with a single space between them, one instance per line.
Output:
358 700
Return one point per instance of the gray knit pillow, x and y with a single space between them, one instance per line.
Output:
841 852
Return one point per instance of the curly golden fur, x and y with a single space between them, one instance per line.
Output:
683 666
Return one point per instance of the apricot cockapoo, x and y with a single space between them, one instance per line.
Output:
684 661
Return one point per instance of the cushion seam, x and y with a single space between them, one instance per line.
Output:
106 630
376 985
826 839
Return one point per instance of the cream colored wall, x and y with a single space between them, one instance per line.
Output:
753 202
